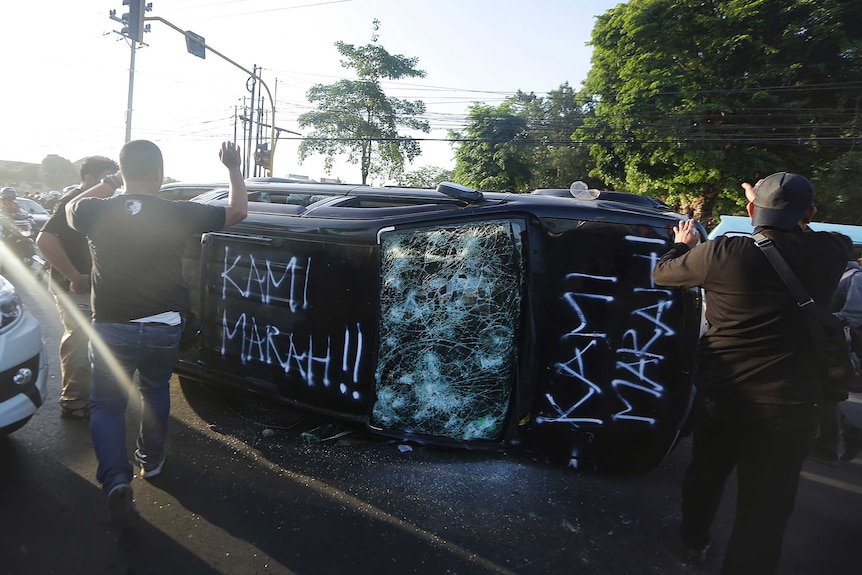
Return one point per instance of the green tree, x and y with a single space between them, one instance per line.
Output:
557 160
689 98
355 117
838 190
59 172
491 153
523 144
427 177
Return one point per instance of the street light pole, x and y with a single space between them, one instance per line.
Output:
131 92
133 29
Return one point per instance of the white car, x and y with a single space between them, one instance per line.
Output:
23 362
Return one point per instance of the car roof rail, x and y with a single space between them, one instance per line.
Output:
460 192
580 191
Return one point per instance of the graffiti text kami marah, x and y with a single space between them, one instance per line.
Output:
264 280
318 359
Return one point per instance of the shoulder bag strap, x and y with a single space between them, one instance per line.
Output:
803 300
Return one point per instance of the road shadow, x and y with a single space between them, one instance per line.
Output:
512 512
59 524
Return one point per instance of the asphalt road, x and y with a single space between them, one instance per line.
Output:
246 489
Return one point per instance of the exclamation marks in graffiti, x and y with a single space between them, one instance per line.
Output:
354 351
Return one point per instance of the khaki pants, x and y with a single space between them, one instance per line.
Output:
74 354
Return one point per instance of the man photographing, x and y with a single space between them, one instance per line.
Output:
755 373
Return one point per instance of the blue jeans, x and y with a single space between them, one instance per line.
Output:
145 354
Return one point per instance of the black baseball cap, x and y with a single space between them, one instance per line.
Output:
781 199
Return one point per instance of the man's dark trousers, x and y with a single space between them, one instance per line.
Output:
768 444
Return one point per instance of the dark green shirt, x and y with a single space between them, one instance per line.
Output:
757 348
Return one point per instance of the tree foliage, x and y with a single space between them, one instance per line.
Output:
492 154
556 159
838 189
59 172
355 117
688 98
523 144
427 177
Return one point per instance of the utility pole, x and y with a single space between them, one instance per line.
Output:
259 159
251 86
234 123
133 29
131 92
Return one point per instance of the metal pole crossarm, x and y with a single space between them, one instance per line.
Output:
243 68
277 129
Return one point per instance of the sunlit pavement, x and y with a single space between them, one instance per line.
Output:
243 491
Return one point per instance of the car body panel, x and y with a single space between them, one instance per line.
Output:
21 346
35 210
742 225
523 322
187 190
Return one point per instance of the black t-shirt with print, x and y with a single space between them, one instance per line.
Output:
137 243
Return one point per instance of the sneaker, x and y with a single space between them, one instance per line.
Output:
122 510
151 470
694 556
850 452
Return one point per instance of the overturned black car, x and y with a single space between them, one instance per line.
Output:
454 317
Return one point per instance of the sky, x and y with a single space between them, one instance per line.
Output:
66 72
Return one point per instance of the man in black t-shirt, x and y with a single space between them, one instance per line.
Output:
139 299
67 252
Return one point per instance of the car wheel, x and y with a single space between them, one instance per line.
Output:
14 426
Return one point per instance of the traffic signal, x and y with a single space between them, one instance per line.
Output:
263 155
134 20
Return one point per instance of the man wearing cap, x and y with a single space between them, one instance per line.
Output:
755 369
9 208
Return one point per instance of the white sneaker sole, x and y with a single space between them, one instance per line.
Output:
153 472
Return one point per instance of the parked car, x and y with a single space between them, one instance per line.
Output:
521 322
23 363
188 190
742 225
35 210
